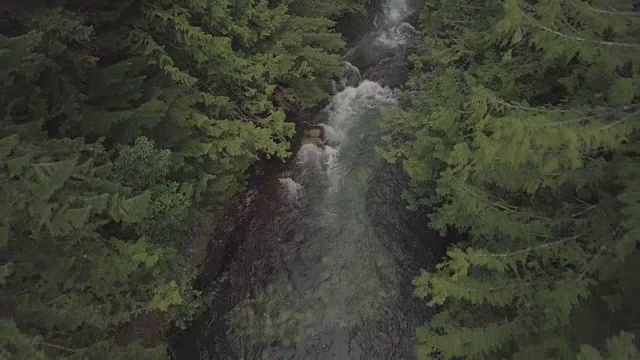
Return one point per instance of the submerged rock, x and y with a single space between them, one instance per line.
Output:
382 44
392 72
313 140
313 134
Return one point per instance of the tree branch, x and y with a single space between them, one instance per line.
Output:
531 248
520 283
577 38
602 11
605 113
512 210
60 347
614 123
505 103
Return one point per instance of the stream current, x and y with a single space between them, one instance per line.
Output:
324 254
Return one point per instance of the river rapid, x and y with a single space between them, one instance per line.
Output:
316 262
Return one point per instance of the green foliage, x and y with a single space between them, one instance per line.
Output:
522 134
328 8
208 80
66 279
168 211
17 345
304 58
620 347
119 118
141 165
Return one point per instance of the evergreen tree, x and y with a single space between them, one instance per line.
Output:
71 275
620 347
522 134
205 79
119 118
329 9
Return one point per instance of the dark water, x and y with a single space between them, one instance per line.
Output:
317 262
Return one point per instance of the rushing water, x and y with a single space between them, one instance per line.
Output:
324 254
337 272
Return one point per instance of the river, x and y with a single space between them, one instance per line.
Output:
316 262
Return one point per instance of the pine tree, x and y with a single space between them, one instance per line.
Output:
330 9
120 118
523 135
201 78
620 347
67 280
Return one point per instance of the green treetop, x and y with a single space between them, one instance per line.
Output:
523 135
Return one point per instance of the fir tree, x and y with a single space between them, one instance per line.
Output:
620 347
523 135
120 117
204 79
67 280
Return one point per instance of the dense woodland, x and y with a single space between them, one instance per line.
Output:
522 139
127 123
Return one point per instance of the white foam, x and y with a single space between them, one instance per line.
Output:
396 36
330 135
293 191
334 173
329 157
309 154
396 10
346 104
375 94
334 87
344 112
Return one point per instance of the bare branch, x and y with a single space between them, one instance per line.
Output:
602 11
619 121
577 38
60 347
536 109
532 248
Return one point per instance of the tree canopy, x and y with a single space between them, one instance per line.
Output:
123 119
522 134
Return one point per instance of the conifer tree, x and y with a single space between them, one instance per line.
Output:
619 347
120 117
201 78
523 135
70 274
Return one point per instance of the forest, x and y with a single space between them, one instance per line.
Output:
522 137
128 125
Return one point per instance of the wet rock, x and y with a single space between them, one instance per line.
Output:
392 72
351 75
322 117
314 133
313 140
382 44
367 53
